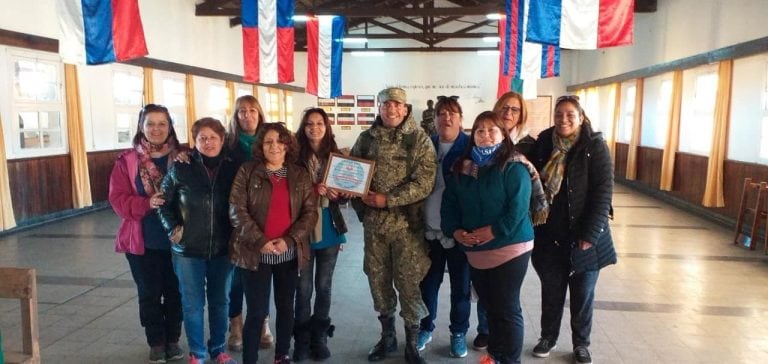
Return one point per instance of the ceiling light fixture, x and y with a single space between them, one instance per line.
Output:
355 40
494 16
300 18
491 39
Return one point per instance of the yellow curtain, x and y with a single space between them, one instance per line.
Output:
7 218
673 133
231 95
191 117
81 182
149 86
616 116
713 193
255 91
637 124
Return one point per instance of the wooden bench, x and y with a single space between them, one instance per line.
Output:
21 283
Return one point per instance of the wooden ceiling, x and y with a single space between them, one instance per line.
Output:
399 25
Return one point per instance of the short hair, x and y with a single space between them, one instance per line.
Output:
234 121
211 123
448 103
284 136
328 143
150 108
523 109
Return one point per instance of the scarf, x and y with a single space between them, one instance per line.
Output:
245 142
483 155
516 134
539 207
316 170
554 170
151 176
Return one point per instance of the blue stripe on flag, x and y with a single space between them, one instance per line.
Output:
285 10
97 26
249 13
544 22
519 39
507 36
337 52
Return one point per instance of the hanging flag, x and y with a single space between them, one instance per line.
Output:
324 53
268 40
581 24
100 31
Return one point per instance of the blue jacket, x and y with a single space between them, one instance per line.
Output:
458 147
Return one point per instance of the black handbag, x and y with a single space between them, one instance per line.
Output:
583 260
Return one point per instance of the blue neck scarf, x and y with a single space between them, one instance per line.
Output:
482 156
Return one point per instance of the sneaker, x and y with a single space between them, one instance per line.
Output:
195 360
481 342
285 359
581 353
424 338
544 347
173 352
458 345
487 359
157 354
224 358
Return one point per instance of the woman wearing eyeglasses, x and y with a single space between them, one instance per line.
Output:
510 107
134 193
273 208
575 243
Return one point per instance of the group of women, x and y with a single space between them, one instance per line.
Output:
246 211
241 213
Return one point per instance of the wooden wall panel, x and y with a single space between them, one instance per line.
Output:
99 167
40 186
690 177
620 164
734 173
649 166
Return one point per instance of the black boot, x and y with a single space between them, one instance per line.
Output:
301 338
321 330
388 341
411 353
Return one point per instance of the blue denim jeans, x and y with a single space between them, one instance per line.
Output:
553 267
482 319
458 273
159 297
258 288
198 278
318 274
499 292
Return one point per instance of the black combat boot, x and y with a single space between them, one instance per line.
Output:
412 355
321 330
388 341
301 338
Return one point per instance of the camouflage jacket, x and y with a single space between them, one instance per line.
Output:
405 161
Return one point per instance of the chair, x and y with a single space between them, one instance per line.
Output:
759 214
21 283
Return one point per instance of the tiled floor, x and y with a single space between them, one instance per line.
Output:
681 293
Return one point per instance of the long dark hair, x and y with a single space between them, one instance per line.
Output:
573 100
505 151
150 108
327 145
284 136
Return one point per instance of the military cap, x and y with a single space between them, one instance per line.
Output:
394 94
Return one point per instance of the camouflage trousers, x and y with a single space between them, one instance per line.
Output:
395 254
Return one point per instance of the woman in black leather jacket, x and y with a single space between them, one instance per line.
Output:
196 217
569 250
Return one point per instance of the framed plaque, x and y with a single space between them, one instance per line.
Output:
348 174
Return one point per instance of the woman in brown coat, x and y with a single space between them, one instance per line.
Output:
273 209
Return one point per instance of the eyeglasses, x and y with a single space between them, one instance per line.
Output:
506 109
568 98
443 97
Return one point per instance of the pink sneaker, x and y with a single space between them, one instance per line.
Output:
194 360
224 358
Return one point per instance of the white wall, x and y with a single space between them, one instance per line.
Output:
678 29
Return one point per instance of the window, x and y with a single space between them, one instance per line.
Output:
748 126
171 92
38 126
627 119
764 123
591 106
657 100
289 109
128 95
699 94
273 105
211 99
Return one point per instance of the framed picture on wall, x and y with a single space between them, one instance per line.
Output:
366 101
345 101
539 114
322 101
331 118
345 118
365 118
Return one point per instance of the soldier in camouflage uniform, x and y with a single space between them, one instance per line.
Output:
392 216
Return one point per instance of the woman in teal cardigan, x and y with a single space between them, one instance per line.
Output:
485 208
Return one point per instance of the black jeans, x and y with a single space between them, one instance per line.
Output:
318 274
553 267
499 292
159 297
458 273
236 294
258 286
